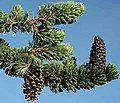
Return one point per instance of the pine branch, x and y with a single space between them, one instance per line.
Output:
15 61
3 42
61 13
111 72
49 15
68 76
58 52
17 20
58 76
46 60
51 36
48 45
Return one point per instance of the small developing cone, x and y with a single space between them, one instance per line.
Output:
33 85
98 54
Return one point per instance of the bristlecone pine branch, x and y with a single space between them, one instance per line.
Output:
47 61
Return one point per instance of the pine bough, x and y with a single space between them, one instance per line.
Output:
46 61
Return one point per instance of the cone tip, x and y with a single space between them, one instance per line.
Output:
98 37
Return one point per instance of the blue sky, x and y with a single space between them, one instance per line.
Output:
101 18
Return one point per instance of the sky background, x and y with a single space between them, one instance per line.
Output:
102 17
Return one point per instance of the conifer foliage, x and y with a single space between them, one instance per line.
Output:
47 61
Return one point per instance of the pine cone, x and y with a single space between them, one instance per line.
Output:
98 54
33 85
